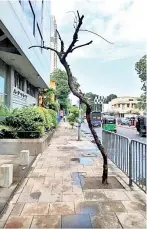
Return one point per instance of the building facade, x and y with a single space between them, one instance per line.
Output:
22 70
53 44
124 106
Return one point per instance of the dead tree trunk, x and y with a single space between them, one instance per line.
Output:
88 112
62 55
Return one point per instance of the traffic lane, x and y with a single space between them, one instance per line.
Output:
130 133
124 131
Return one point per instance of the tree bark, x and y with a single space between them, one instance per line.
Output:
88 112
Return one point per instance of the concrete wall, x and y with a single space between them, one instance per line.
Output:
14 146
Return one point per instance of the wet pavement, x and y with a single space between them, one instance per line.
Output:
64 190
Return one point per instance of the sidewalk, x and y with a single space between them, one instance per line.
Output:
63 190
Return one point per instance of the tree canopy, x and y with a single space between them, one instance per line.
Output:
140 67
110 97
62 88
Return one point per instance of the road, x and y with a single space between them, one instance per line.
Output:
125 131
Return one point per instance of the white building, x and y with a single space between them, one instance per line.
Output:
53 44
124 106
22 70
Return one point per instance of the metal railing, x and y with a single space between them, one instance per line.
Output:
128 155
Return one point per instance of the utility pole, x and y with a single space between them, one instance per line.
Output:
79 126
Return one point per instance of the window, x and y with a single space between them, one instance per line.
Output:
19 81
39 11
28 10
2 91
38 35
128 105
118 105
130 100
31 89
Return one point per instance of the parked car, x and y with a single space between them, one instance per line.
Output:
141 125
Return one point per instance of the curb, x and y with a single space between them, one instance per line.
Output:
28 169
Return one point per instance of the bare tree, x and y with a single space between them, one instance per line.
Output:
62 55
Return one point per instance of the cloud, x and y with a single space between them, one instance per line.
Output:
121 22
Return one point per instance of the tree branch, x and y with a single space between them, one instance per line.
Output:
62 43
75 36
44 47
86 30
79 46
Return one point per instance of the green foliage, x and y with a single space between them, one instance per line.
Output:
54 116
74 114
26 119
140 67
141 105
62 88
3 127
110 97
47 117
47 96
4 111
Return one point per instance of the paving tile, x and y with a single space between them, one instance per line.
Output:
74 197
62 189
35 209
46 222
2 223
61 208
17 209
87 207
137 196
19 222
105 221
116 195
47 197
76 221
7 212
42 188
131 206
27 188
112 206
131 220
35 181
77 190
95 195
29 197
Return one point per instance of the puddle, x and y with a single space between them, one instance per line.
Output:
91 150
77 179
83 160
86 161
89 155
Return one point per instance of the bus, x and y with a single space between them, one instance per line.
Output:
96 118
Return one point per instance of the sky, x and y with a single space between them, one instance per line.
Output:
104 68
